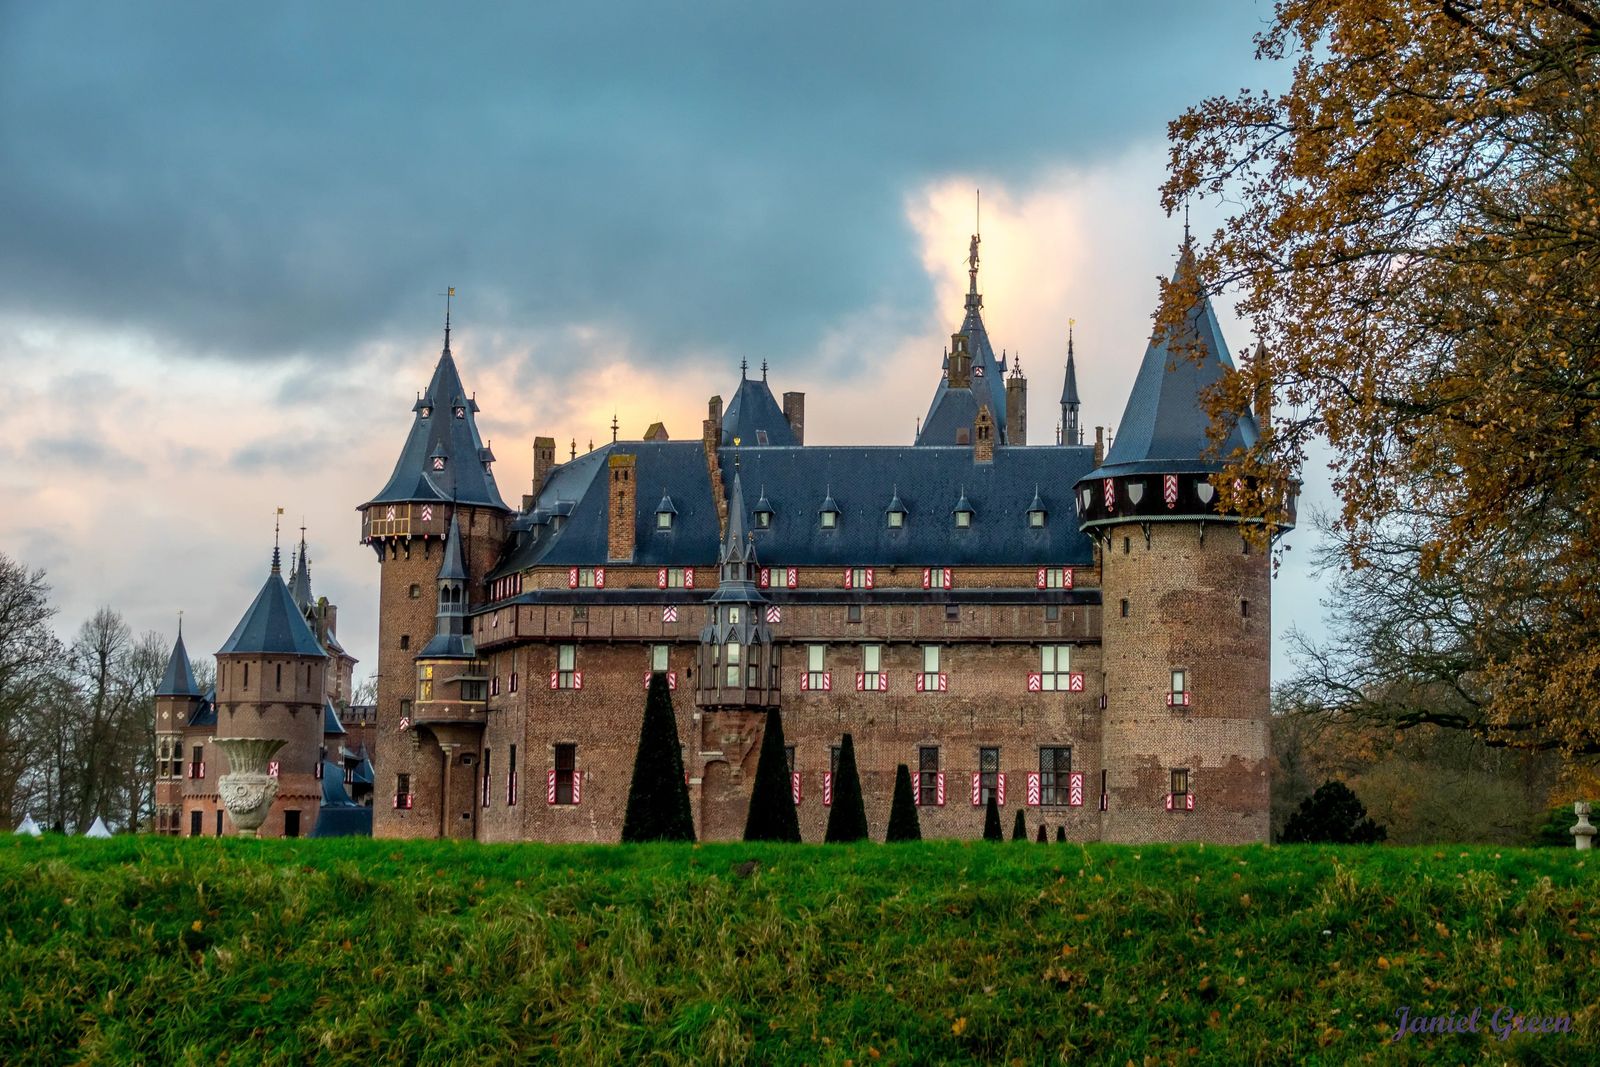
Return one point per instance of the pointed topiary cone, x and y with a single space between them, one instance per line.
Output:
772 816
847 818
991 822
903 824
1019 828
658 798
1061 834
1043 837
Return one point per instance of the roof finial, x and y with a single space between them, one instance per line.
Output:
744 365
972 249
180 624
763 370
1186 222
450 291
277 521
613 427
574 448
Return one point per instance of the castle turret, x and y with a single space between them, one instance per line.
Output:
1187 614
1071 432
271 679
973 376
1016 404
738 665
177 696
443 475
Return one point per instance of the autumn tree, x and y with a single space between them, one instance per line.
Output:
1417 245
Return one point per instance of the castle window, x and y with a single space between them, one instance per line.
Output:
963 519
566 667
1124 608
279 681
513 681
897 519
566 772
405 641
416 591
788 757
246 676
1057 578
658 657
591 578
425 682
952 613
196 827
663 520
830 519
763 519
1127 543
872 679
816 677
1180 782
733 616
1052 612
405 709
858 578
402 791
1179 696
1055 667
730 659
988 775
928 775
291 823
461 412
1055 768
679 578
1244 609
197 765
852 613
930 668
1036 518
474 690
486 754
511 778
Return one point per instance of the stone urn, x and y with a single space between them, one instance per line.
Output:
247 789
1582 831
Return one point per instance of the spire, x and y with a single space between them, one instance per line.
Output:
276 522
1072 433
450 640
178 679
452 569
450 291
735 544
273 623
300 580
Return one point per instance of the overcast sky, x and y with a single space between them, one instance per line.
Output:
224 229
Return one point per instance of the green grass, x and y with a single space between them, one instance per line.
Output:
197 952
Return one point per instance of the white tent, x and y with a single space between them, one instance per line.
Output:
28 826
98 829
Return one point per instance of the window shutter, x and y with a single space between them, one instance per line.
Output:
764 578
794 785
555 676
944 682
272 769
1169 489
577 679
1169 801
827 788
861 681
827 681
883 681
792 577
688 577
1075 682
572 577
848 578
869 577
1033 789
1066 577
1035 682
939 796
550 786
949 577
977 789
927 577
805 681
1110 489
599 577
1075 789
577 786
661 577
1000 789
1188 801
1039 579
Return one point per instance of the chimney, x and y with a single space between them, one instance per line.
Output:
1263 391
1099 445
982 435
544 458
794 409
621 510
1016 405
714 413
960 375
710 436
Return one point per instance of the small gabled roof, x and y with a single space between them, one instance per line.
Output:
755 418
1038 503
178 679
1164 427
436 431
828 504
665 507
894 503
963 504
273 623
331 726
205 712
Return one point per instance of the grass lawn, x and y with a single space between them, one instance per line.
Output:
156 950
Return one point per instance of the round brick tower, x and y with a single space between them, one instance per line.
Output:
1187 635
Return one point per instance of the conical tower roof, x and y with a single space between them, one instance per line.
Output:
1069 387
273 624
178 679
1164 427
453 569
300 580
444 427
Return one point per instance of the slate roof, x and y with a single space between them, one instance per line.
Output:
861 479
452 568
753 411
1069 385
178 679
273 623
205 712
1164 426
955 408
436 431
330 720
300 580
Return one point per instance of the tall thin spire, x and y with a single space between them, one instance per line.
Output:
277 521
1071 433
449 293
613 427
300 580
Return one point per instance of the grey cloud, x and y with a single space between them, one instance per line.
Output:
296 180
84 453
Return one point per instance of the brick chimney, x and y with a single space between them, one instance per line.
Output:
544 458
794 409
982 434
1099 445
1016 405
710 440
621 510
960 373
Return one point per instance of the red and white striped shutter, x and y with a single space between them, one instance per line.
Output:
949 577
1035 682
577 786
883 681
792 577
1066 577
921 684
764 578
550 786
577 679
1039 578
939 789
774 614
672 679
1075 681
805 681
555 676
1169 489
849 577
661 577
647 680
977 789
272 769
599 577
861 681
827 788
869 577
1110 493
1169 801
916 789
1000 789
827 681
794 785
927 577
944 682
1188 801
1075 789
1033 789
688 577
669 613
572 577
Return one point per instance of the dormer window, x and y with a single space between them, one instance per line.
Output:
763 512
897 511
963 512
461 412
1036 511
665 513
830 513
436 461
426 412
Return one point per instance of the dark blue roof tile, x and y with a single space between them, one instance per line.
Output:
178 679
754 417
273 624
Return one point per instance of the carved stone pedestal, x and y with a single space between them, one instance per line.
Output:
247 789
1582 831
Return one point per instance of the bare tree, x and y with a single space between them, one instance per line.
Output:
29 653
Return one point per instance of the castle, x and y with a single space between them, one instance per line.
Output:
1080 632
